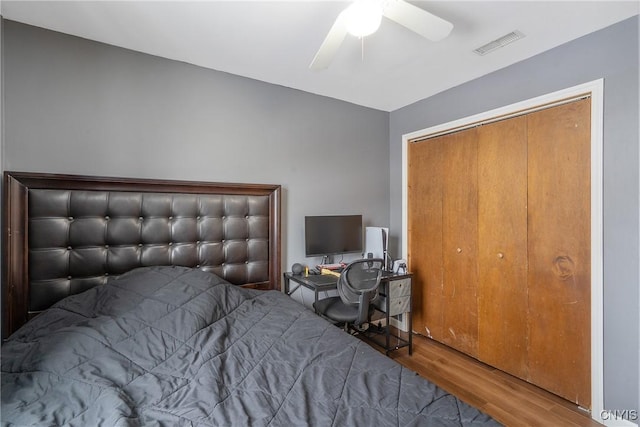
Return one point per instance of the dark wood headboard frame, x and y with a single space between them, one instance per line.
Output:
15 259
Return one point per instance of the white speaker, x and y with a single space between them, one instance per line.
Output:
376 242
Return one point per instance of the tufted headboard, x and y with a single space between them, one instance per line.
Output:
64 234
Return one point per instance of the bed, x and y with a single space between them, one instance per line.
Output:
141 302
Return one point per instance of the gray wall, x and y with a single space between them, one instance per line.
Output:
612 54
76 106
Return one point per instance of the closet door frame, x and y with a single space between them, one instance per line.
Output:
594 89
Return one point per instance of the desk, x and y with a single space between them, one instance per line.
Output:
314 282
394 299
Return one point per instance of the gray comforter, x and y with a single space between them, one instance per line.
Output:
178 347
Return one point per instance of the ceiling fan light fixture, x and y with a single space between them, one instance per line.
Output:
363 17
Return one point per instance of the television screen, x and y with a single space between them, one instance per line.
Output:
332 234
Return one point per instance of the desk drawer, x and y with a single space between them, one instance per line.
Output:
399 305
396 305
400 288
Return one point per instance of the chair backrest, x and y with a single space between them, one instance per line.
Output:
358 285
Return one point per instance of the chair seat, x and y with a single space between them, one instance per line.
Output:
336 310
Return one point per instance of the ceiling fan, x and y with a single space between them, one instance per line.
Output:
363 18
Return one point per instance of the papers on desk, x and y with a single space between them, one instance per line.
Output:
331 272
336 266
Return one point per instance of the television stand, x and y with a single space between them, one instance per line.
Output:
327 259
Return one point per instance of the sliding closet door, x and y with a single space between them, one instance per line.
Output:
425 236
559 250
443 238
499 242
460 241
502 245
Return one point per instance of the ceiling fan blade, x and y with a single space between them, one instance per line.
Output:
417 20
330 45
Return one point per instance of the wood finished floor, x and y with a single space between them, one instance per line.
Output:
507 399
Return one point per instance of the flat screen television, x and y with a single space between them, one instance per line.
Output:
332 234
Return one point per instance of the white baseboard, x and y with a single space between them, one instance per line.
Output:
619 423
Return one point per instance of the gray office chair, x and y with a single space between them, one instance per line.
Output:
357 288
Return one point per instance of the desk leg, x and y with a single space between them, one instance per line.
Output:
410 334
287 286
388 328
293 290
410 322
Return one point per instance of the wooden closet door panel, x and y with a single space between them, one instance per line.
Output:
460 238
559 250
425 236
502 245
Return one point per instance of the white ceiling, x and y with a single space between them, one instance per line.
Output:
275 41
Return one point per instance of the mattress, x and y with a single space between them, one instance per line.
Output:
174 346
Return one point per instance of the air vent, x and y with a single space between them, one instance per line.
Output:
498 43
